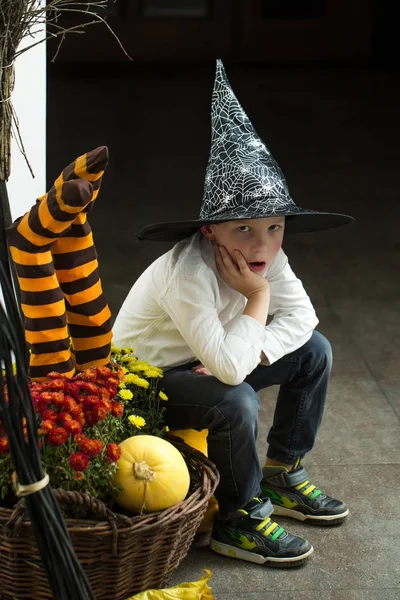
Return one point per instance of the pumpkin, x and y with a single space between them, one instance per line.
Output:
152 474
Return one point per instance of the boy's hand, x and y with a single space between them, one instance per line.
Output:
239 276
201 370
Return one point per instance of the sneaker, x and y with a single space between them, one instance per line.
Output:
292 495
251 535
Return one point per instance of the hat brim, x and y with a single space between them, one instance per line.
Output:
300 221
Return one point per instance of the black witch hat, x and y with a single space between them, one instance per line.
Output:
243 181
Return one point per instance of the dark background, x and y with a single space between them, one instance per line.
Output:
318 78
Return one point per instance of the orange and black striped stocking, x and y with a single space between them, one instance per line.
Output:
30 239
77 269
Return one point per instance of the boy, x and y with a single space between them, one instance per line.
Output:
200 312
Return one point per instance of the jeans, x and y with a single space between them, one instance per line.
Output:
230 413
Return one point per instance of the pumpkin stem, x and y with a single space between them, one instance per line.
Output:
142 470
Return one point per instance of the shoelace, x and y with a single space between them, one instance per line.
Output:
309 490
305 487
271 527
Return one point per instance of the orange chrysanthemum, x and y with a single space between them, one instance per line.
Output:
92 447
90 401
63 417
79 438
50 415
104 372
3 444
78 461
73 427
47 426
117 408
71 406
57 436
113 452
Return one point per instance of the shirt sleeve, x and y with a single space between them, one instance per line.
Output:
230 353
294 317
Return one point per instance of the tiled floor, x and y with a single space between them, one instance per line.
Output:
336 134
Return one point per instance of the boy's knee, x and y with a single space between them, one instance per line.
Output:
240 403
321 349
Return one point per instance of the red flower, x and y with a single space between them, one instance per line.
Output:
78 461
91 418
89 387
63 417
92 447
57 398
47 426
56 384
40 404
3 444
113 452
71 406
73 426
106 403
112 389
57 436
79 476
104 372
73 388
55 375
117 408
100 412
90 401
50 415
104 393
79 438
89 374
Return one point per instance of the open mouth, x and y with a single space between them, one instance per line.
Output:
257 266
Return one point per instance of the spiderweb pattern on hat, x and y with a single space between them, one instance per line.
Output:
241 173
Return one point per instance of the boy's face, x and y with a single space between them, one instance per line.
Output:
257 239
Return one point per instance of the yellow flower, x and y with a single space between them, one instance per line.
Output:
153 372
126 394
163 396
136 421
124 370
140 365
166 428
114 349
127 350
130 378
126 359
136 380
122 385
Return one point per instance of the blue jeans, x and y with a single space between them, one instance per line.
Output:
230 413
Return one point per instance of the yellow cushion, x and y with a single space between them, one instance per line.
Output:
198 440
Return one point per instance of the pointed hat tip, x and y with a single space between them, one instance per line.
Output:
220 74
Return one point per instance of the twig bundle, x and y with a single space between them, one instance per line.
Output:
20 20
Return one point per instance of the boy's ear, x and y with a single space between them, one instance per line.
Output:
207 231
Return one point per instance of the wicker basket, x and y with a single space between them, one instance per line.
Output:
121 555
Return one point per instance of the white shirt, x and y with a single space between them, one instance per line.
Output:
181 310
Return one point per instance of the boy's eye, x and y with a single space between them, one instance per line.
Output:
274 227
243 228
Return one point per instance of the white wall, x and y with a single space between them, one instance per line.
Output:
29 99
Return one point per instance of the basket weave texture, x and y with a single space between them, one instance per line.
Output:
121 555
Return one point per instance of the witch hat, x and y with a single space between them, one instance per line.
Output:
243 180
